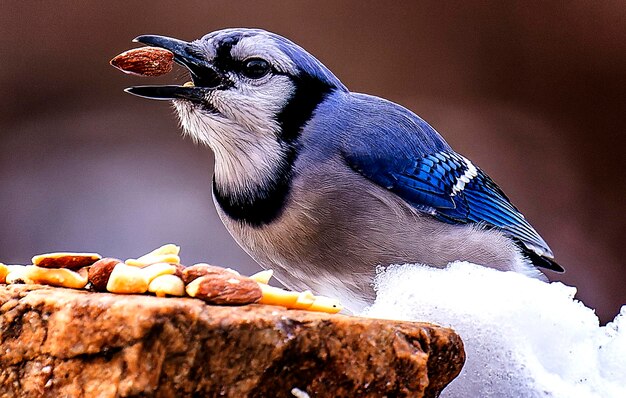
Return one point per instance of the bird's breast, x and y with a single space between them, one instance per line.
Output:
336 227
332 232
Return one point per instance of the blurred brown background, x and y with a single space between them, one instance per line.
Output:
534 92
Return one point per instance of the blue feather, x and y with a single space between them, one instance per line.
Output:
431 183
397 150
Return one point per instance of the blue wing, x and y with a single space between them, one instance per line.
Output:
449 187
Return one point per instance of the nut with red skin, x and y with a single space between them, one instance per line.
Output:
71 261
179 270
225 289
100 272
201 269
144 61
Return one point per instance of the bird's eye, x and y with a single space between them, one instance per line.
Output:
256 68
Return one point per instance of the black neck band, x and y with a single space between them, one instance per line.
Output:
265 204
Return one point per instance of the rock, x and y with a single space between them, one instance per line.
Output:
58 342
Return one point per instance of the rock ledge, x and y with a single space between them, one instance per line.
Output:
61 342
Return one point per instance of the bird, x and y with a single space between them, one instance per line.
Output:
325 186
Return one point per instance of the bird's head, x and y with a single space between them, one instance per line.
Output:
242 76
251 93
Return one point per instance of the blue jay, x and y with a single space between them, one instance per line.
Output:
322 184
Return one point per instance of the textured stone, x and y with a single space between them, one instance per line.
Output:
59 342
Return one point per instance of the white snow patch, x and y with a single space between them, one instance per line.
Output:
523 337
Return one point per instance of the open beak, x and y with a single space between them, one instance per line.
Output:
203 74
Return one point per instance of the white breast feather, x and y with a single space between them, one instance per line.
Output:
243 135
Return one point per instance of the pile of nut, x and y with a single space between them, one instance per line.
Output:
160 272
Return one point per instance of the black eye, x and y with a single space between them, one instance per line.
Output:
255 68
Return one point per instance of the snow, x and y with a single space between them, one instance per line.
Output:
523 337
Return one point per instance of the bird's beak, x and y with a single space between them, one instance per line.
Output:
203 74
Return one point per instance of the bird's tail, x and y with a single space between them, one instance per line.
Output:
538 260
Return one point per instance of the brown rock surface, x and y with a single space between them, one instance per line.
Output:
59 342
